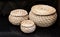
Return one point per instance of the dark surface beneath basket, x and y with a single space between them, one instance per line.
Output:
9 30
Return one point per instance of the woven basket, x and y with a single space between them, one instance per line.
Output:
43 15
17 16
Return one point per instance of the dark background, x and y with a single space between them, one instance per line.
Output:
8 30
